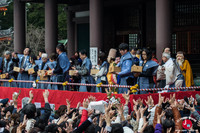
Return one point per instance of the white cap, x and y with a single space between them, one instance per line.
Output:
44 55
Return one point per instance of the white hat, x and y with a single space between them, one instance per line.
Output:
112 53
44 55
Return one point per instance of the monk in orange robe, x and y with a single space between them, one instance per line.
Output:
185 68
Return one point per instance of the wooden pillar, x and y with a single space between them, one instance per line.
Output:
51 24
19 26
70 34
96 23
163 26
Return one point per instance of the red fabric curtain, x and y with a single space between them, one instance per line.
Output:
58 98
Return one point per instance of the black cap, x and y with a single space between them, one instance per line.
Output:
4 101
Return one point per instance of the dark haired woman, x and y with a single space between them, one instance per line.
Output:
32 75
103 70
145 79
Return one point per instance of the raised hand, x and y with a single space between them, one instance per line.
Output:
107 115
46 95
160 116
150 101
63 118
68 128
161 99
172 98
78 105
68 106
74 117
85 103
91 98
192 109
126 96
15 95
174 104
30 94
135 102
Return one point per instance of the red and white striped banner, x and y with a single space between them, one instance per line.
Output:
104 85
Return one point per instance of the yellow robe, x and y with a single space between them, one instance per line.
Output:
187 73
110 74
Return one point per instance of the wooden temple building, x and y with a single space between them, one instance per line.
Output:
5 34
104 24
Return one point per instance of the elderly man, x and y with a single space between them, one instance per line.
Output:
8 69
185 68
174 78
167 50
23 62
42 65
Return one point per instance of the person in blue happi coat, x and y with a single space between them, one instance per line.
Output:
75 60
103 70
126 62
42 65
1 64
84 72
145 79
62 66
53 78
15 60
8 69
32 75
41 51
23 62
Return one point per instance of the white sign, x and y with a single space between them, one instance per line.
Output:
94 55
37 104
52 106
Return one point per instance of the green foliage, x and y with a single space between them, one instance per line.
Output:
36 17
35 14
35 25
62 22
7 21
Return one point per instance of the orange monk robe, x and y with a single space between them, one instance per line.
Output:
109 74
187 73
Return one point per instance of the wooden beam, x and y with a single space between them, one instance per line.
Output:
42 1
82 7
81 20
32 1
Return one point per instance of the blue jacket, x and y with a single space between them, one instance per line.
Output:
84 71
39 63
85 68
25 63
126 63
52 65
1 62
8 66
105 64
64 62
146 77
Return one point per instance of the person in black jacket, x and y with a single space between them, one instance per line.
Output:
30 111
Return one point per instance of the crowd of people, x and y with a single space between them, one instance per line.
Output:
170 72
109 116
